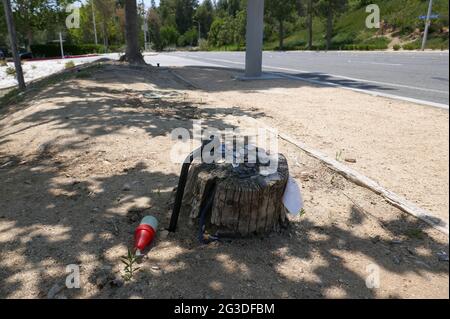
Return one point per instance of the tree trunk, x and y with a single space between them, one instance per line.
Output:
132 54
29 39
329 26
13 42
310 25
281 45
105 36
244 202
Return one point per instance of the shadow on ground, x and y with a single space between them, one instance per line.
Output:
284 80
52 215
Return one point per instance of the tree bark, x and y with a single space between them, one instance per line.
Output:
329 26
310 25
241 205
13 41
281 45
133 54
29 39
105 36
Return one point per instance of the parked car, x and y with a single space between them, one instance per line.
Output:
25 55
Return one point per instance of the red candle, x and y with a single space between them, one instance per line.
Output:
145 233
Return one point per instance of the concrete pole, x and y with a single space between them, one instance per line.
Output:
13 41
254 38
61 45
427 25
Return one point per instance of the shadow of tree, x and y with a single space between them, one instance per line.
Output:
305 79
52 215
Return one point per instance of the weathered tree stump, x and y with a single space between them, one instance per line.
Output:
244 202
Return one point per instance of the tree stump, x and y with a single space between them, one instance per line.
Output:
244 202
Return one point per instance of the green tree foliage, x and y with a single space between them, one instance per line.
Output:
3 28
184 12
154 28
330 9
289 24
110 23
205 16
228 31
189 38
31 16
281 11
169 36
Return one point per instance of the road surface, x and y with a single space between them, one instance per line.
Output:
421 77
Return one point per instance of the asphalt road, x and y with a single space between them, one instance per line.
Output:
418 76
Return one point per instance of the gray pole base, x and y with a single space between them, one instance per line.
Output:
254 38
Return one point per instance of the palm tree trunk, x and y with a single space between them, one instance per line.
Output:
133 54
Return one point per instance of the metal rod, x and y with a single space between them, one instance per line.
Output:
427 25
61 45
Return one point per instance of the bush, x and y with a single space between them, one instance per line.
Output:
378 43
169 36
396 47
415 45
10 71
293 45
203 45
116 48
3 63
189 38
54 50
69 65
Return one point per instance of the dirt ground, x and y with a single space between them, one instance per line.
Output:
82 160
403 146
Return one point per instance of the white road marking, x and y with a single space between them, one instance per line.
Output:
336 76
382 63
373 93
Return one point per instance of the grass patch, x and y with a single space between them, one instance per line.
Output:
414 45
13 96
3 63
83 74
69 65
415 233
10 71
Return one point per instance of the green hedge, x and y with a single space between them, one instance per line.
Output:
54 50
363 47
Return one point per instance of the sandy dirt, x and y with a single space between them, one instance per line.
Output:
82 160
403 146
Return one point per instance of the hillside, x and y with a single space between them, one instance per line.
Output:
400 28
